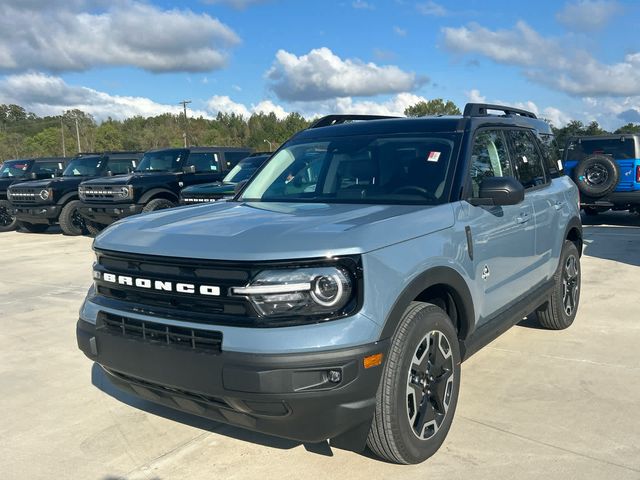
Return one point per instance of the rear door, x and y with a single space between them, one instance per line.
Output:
503 236
545 197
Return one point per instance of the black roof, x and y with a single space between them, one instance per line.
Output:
616 136
203 149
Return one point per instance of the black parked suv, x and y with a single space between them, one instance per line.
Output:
156 183
211 192
13 171
39 204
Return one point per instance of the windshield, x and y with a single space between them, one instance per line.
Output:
618 149
84 167
15 168
162 161
243 171
358 169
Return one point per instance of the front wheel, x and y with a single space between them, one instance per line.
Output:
93 228
71 222
8 221
560 310
419 388
158 204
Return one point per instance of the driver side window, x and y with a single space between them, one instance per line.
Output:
489 158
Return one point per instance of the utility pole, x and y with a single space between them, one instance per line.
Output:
64 150
78 135
184 104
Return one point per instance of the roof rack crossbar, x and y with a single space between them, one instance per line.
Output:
479 109
338 119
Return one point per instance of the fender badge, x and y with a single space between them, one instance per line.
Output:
485 272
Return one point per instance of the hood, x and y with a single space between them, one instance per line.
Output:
132 179
6 182
272 231
205 188
44 183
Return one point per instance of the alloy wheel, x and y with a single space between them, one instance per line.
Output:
570 285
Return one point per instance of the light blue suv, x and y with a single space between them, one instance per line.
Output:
337 294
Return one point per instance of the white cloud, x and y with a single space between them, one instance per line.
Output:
549 61
362 5
77 35
224 104
401 32
431 8
588 15
475 97
237 4
321 74
49 95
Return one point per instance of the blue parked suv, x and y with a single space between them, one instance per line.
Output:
606 169
337 294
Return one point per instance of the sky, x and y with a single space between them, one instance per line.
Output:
577 59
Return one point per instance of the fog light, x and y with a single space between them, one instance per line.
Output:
334 376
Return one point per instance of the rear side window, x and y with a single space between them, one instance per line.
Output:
232 158
527 159
204 162
47 167
578 149
121 166
489 158
551 154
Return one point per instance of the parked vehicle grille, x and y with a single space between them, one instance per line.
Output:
97 193
152 332
23 195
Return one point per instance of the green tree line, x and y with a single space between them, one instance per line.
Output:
24 134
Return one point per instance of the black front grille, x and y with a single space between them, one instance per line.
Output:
159 333
23 196
99 193
218 309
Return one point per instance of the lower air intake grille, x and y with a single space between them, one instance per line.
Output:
159 333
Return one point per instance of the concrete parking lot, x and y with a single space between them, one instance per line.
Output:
534 404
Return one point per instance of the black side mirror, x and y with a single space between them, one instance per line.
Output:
189 169
57 172
239 186
499 191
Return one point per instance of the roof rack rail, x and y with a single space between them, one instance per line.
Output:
479 109
338 119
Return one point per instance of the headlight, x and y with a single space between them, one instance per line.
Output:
125 192
318 291
45 194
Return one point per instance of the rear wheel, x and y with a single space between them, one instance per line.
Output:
561 308
158 204
33 227
71 222
8 222
419 388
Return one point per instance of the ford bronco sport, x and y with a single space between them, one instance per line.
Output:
13 171
156 182
41 203
606 169
337 294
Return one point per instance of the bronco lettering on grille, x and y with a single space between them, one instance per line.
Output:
159 285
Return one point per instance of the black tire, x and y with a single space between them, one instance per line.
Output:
93 228
596 175
591 211
399 419
33 227
71 222
560 310
158 204
8 222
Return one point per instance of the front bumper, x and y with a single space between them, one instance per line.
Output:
287 395
107 213
47 214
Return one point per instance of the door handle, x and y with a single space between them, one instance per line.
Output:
523 217
558 205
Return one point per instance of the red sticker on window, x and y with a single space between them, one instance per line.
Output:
433 157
